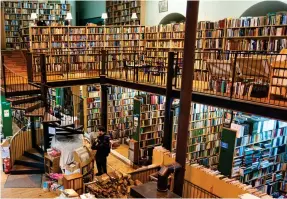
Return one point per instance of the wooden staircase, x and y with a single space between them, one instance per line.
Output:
16 61
31 162
26 155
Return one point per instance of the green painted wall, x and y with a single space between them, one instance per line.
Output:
6 121
90 9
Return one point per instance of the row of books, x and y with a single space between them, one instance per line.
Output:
256 32
210 34
270 19
260 151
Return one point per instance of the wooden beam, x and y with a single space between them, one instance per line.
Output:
186 89
167 137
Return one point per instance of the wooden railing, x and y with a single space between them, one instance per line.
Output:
190 190
143 174
39 137
20 142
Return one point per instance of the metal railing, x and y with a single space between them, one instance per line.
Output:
136 66
64 65
254 77
243 76
68 111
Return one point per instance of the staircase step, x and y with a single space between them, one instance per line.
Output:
34 154
28 107
21 87
21 169
36 113
50 118
25 99
30 162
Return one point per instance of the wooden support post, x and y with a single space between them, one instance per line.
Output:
4 76
168 103
186 89
33 132
85 106
76 94
104 106
104 57
44 88
46 136
29 67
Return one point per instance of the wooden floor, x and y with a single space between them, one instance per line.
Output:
123 149
113 164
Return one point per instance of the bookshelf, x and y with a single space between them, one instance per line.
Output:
264 33
210 35
17 16
148 124
204 134
52 164
120 112
120 12
25 40
85 158
80 46
260 152
93 107
278 81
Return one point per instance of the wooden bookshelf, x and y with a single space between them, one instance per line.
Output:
80 46
93 107
120 12
86 165
204 135
148 124
278 80
52 164
264 33
120 112
260 150
17 15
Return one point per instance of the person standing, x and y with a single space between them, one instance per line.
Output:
41 22
102 145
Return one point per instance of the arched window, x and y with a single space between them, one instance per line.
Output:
172 17
263 8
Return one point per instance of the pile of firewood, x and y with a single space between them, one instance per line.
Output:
112 185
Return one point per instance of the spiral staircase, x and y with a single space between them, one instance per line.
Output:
28 145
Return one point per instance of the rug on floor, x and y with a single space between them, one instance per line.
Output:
24 181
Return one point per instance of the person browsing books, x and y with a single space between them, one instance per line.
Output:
41 22
102 145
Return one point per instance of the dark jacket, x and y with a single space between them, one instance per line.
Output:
41 23
102 145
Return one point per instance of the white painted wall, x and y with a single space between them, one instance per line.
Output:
212 10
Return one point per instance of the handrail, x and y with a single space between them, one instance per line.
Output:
6 68
20 142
